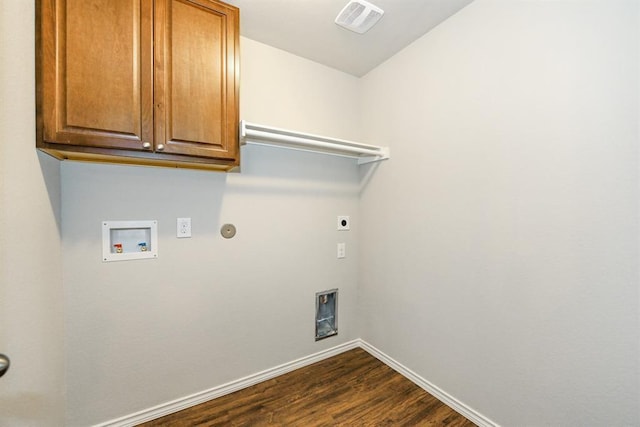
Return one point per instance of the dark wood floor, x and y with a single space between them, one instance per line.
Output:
351 389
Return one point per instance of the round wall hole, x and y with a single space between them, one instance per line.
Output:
228 231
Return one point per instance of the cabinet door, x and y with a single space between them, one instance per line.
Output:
95 83
196 95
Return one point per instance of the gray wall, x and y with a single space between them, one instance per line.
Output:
31 319
209 310
495 254
499 246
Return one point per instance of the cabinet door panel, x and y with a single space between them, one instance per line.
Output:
97 72
196 95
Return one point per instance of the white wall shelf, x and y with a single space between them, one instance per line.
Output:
251 133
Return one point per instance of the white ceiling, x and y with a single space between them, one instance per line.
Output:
306 28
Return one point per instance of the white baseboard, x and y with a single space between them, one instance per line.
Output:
224 389
233 386
468 412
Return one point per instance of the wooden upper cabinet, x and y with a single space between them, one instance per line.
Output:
195 80
139 81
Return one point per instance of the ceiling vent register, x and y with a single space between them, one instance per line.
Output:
359 16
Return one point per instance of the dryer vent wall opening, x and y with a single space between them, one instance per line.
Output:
326 314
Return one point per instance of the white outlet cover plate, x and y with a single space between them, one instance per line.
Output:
183 227
342 250
344 219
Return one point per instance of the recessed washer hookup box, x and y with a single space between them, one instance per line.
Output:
129 240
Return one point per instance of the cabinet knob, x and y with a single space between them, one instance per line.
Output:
146 145
160 147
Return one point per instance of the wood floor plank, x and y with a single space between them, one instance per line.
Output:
350 389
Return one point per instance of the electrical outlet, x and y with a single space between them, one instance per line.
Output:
344 223
183 227
342 250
